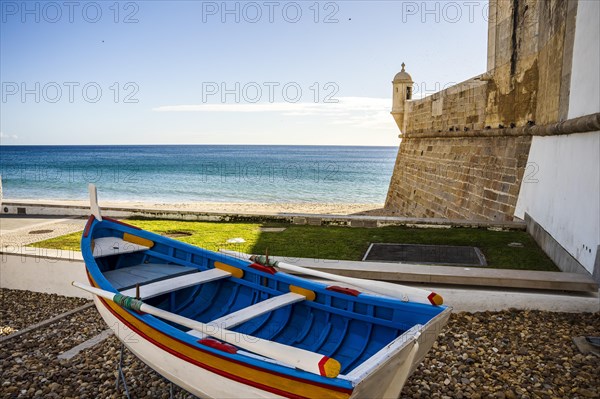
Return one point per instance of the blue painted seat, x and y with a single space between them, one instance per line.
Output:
147 273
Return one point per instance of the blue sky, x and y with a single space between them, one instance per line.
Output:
186 72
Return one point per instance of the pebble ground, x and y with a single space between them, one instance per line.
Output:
509 354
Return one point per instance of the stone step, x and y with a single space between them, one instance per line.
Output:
450 275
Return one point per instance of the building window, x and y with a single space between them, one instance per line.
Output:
408 93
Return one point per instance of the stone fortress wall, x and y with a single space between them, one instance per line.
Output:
456 159
521 140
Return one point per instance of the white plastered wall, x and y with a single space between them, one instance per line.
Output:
561 188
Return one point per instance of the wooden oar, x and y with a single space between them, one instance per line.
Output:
398 291
402 292
302 359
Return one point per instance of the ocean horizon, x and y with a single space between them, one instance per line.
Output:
199 173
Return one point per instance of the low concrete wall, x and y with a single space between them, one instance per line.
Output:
41 270
559 255
21 207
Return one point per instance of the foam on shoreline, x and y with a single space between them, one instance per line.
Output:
227 207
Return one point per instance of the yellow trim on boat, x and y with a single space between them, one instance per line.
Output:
437 300
308 294
332 368
235 272
138 240
233 368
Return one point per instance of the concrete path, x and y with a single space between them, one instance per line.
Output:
19 230
469 299
13 223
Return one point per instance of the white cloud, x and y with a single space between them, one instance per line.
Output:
363 112
4 136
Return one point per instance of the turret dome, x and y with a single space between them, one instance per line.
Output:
402 76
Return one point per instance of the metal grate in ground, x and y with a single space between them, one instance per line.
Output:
426 254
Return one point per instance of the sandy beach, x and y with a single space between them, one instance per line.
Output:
228 207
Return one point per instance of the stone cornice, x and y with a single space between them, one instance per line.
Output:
582 124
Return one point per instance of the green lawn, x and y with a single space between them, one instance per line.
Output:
343 243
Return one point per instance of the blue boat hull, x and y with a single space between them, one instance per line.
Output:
354 328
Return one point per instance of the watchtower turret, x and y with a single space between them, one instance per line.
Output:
402 86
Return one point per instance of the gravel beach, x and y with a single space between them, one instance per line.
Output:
509 354
19 309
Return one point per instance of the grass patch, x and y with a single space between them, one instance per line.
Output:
344 243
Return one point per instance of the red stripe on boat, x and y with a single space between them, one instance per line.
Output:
263 268
322 365
119 222
430 297
343 290
88 225
215 344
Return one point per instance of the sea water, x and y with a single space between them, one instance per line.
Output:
188 173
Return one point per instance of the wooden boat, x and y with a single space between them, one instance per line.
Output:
224 327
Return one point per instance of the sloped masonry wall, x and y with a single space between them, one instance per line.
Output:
475 178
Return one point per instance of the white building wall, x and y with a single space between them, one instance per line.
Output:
584 98
561 188
562 193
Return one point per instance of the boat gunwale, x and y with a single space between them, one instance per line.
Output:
372 364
